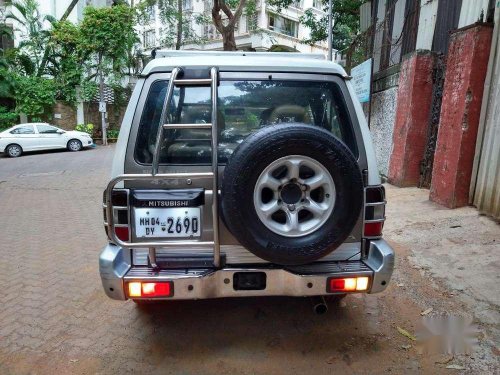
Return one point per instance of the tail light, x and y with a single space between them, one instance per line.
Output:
374 212
138 289
119 200
348 284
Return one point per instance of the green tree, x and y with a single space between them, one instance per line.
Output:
345 15
46 53
34 37
65 62
35 96
6 81
107 36
178 26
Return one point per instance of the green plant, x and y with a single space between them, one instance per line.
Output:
7 118
87 128
112 133
252 121
35 96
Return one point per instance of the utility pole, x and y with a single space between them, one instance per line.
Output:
102 104
330 25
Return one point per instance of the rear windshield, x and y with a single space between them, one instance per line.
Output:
243 107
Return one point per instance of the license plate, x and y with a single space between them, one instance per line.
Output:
167 222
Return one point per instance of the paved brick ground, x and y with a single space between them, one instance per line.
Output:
55 318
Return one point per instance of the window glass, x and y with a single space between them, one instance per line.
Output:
283 25
243 107
46 129
25 129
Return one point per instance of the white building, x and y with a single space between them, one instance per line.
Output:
268 27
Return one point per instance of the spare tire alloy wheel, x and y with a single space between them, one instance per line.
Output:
294 196
291 193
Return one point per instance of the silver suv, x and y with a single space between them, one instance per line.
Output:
288 203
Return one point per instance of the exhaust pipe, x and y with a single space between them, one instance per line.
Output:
319 305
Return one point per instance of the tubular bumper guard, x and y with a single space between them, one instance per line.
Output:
115 267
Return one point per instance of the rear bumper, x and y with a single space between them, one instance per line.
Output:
116 269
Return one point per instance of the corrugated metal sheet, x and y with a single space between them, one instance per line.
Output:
426 23
448 15
486 188
472 12
365 16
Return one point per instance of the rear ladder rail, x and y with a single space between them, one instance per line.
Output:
155 176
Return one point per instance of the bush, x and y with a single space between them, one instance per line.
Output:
87 128
112 133
7 118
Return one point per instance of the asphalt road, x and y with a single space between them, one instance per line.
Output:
55 318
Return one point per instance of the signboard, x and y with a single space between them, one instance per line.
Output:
361 79
102 107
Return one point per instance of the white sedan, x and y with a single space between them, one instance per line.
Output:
41 136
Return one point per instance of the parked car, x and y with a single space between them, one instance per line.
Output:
288 203
41 136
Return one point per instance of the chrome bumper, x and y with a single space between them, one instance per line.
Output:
116 268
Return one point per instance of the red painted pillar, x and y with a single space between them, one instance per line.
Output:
412 118
466 67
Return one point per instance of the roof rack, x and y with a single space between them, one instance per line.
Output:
296 55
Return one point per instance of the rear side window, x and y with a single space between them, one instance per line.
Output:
243 107
46 129
25 129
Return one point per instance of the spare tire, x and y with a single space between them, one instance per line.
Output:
291 193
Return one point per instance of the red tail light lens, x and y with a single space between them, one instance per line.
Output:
374 229
374 211
348 284
122 233
150 290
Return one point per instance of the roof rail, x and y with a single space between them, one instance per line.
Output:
184 53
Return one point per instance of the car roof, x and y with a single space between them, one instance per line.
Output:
244 61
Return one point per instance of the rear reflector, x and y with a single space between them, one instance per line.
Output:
348 284
374 229
150 290
122 233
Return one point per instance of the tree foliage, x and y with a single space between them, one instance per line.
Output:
35 96
345 15
65 62
108 32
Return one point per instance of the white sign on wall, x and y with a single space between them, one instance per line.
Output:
361 80
102 107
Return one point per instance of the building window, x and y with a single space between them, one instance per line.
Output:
210 32
318 4
283 25
150 13
297 4
187 4
149 38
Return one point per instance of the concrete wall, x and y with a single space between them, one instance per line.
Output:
93 116
383 113
412 118
64 116
466 68
382 126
